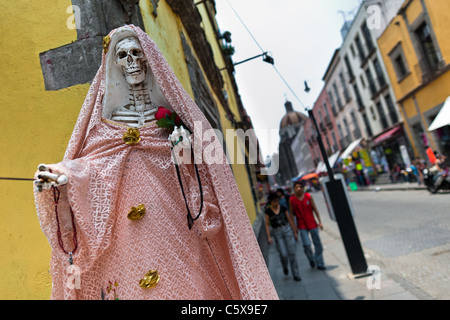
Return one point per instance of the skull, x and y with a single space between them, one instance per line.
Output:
130 58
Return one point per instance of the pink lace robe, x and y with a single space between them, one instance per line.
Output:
219 258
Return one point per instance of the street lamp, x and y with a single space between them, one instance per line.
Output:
342 211
266 58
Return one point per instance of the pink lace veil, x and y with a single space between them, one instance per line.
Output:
249 267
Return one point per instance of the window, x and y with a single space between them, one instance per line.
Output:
340 131
372 112
373 88
367 125
341 135
344 87
399 62
327 113
358 97
431 60
338 98
362 55
356 132
367 37
391 108
335 144
349 68
333 106
380 74
347 129
382 114
328 145
362 81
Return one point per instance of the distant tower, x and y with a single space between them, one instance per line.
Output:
290 124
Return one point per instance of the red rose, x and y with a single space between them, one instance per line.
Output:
167 119
162 112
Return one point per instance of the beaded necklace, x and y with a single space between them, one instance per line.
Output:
56 195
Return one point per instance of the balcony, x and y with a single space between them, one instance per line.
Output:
376 92
366 59
429 71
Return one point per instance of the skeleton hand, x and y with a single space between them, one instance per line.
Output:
46 178
180 137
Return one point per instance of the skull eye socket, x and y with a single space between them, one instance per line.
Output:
121 54
136 52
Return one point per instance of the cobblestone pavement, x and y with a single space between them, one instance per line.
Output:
405 233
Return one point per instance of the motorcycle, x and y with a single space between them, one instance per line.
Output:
434 184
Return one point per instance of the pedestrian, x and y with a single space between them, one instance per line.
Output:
303 206
415 172
284 233
442 165
282 196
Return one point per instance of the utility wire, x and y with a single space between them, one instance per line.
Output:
251 35
289 87
262 50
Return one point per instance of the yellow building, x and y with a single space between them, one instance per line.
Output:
51 50
416 50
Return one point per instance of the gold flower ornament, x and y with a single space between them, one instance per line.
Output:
132 136
136 213
150 280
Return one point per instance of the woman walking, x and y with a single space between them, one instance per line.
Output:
284 233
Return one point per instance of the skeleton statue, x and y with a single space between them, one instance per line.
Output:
130 58
140 110
118 206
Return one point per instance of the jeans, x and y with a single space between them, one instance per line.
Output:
316 257
286 246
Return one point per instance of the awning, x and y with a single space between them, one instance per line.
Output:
443 117
321 167
350 148
310 176
389 134
301 174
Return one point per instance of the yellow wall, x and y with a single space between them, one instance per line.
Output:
38 125
36 129
414 10
438 12
395 33
239 169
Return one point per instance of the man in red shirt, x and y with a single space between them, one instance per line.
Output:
302 206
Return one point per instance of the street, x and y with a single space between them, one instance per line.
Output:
405 233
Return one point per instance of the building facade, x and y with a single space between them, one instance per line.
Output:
416 51
374 107
343 107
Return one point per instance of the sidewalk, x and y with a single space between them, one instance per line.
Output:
336 282
393 186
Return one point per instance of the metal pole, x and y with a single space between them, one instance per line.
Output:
342 211
322 148
237 63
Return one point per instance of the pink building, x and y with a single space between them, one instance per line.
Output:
325 119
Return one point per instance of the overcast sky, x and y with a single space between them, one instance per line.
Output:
301 35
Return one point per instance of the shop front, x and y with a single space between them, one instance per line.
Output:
390 149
